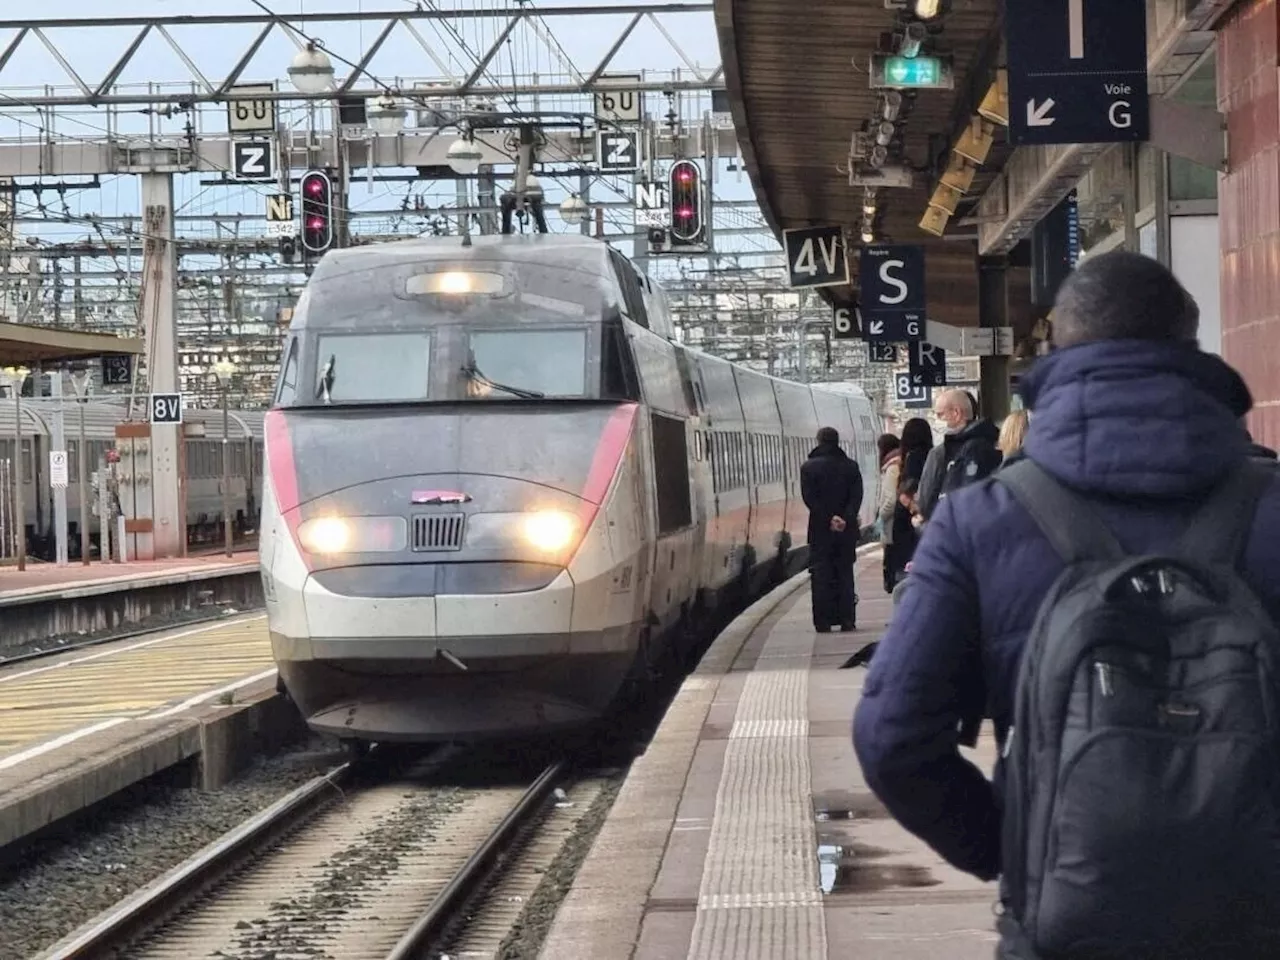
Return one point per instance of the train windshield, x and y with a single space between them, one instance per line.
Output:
452 332
379 367
530 364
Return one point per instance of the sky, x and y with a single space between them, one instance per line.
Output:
583 39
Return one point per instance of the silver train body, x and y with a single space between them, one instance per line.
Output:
495 485
203 466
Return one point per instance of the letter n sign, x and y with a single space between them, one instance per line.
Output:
816 256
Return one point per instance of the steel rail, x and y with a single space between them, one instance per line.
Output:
151 905
478 868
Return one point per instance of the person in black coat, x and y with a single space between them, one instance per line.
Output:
831 485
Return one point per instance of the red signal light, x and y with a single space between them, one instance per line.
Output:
317 211
686 203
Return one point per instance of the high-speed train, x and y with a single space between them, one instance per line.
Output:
495 484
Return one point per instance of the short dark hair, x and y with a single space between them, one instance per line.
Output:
828 435
1123 296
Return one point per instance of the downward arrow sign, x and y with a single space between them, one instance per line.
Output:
876 328
1039 116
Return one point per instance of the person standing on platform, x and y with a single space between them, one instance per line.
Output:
1110 601
831 485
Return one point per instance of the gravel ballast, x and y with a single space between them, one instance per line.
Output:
62 882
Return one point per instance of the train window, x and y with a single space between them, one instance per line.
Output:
508 363
28 462
672 479
367 367
619 379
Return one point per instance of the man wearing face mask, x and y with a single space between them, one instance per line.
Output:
967 453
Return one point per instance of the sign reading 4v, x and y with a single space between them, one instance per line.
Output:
816 256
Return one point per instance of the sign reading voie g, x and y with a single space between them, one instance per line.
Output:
816 256
1078 71
891 279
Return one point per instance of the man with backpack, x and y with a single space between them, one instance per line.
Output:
1110 600
966 454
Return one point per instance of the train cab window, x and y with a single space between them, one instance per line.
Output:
632 288
619 379
371 367
288 388
552 363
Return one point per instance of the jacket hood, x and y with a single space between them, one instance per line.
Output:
1136 418
982 429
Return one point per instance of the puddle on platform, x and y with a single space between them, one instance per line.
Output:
850 868
848 805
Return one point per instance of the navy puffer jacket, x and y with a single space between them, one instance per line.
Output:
1143 429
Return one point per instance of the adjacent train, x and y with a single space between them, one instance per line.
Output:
203 466
497 485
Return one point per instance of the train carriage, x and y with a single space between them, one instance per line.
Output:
496 485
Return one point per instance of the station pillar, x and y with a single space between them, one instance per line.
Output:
993 311
1248 61
167 536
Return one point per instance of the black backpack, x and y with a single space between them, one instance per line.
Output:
1142 773
976 460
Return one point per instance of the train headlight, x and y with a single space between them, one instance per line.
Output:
550 531
332 535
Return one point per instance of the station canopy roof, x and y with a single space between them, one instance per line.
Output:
29 345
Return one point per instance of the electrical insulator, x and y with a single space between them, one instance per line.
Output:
686 203
317 211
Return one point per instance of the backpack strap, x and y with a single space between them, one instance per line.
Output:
1219 531
1066 520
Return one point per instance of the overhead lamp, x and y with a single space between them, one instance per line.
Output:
573 209
891 106
311 70
928 9
868 236
386 116
913 38
463 157
869 209
879 156
224 370
884 133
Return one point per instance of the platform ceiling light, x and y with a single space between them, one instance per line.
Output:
311 70
867 235
928 9
913 38
884 133
878 157
463 157
387 116
573 210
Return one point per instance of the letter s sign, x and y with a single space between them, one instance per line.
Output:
889 280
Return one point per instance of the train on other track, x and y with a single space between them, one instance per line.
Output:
202 478
497 486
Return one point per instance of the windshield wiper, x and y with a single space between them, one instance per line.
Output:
326 380
472 372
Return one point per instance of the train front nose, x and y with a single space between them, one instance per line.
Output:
452 619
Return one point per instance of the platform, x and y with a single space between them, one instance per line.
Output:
746 829
81 725
46 602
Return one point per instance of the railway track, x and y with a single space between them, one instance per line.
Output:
364 862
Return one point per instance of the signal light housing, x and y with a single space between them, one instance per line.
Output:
687 227
317 211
